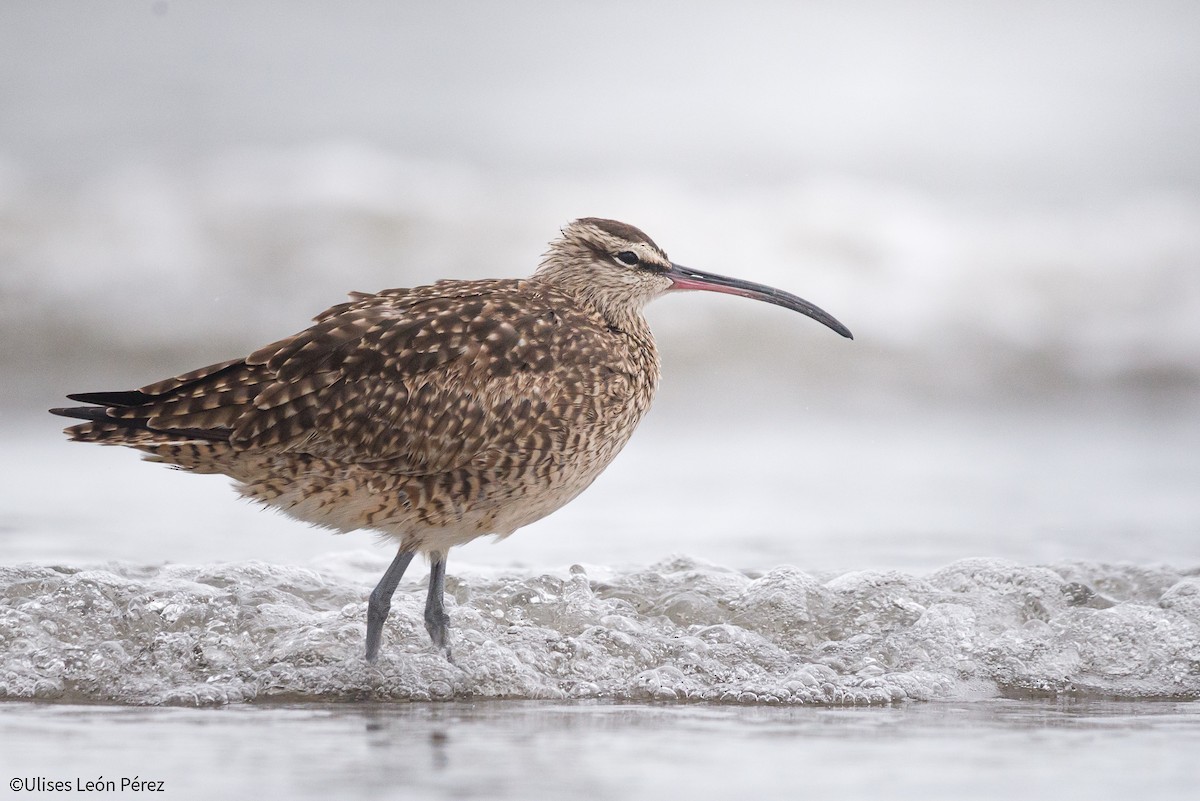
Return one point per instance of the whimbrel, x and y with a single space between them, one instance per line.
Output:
434 415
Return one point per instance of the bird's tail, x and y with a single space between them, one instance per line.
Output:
200 450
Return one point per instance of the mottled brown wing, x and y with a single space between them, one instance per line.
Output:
413 381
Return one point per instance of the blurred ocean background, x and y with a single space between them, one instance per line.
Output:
1000 199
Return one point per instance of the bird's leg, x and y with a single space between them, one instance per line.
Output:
437 622
381 600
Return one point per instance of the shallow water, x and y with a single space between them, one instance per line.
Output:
518 750
870 602
887 663
969 554
750 483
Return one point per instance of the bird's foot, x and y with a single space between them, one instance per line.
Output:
437 623
376 614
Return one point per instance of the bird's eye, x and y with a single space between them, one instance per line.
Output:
628 258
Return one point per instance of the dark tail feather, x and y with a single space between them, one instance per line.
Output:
101 427
133 397
199 450
134 417
82 412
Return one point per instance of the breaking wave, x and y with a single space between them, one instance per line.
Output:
252 244
677 630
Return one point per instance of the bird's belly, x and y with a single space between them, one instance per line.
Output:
495 494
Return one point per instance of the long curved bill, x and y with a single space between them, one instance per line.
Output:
687 278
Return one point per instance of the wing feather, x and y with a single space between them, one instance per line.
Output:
412 381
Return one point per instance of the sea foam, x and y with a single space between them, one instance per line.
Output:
679 630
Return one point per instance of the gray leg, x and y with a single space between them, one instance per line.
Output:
381 601
437 622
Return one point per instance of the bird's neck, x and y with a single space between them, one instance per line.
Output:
620 307
618 314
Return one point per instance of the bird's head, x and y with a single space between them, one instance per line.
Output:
618 269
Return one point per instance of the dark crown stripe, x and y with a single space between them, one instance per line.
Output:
620 230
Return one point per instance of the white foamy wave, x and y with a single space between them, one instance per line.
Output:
678 630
